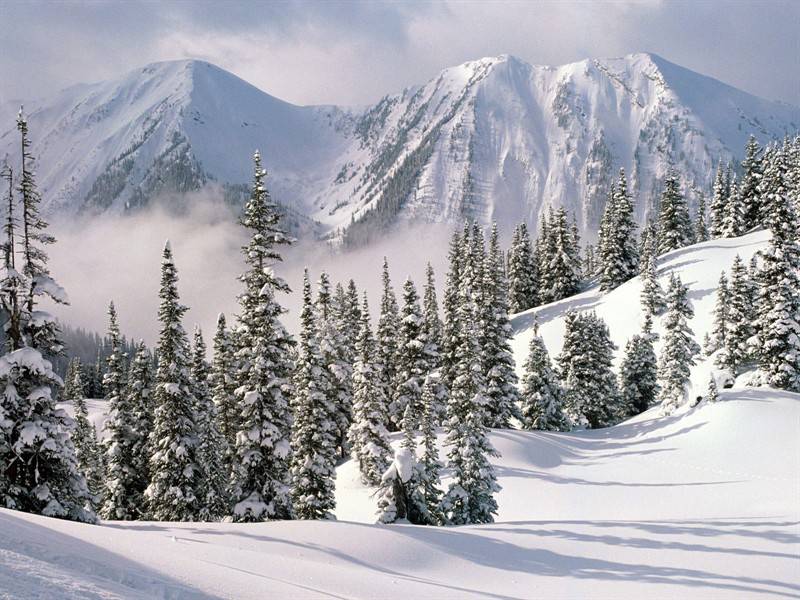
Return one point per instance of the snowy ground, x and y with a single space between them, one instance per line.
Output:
704 504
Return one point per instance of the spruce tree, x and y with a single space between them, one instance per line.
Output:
497 359
679 350
720 325
212 449
713 393
369 439
592 396
140 401
749 188
39 470
719 204
652 295
738 318
674 225
778 320
542 397
174 490
433 331
314 431
84 437
261 478
451 306
411 358
387 343
734 223
638 377
619 255
123 500
223 387
337 358
429 464
700 226
522 272
562 259
470 496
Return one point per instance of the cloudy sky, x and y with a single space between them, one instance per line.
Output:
355 52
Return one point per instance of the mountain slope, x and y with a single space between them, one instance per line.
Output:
494 139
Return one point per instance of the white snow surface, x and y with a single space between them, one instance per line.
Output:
702 504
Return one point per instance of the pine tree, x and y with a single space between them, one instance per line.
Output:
592 396
719 203
84 437
679 351
470 497
542 397
314 432
619 255
713 392
720 325
140 401
411 359
638 377
212 449
652 295
451 306
497 359
738 318
338 362
223 387
734 222
261 478
778 317
174 490
433 331
387 344
123 500
369 441
749 192
522 272
39 471
674 225
700 226
562 274
430 466
648 245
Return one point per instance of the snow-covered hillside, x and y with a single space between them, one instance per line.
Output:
495 139
700 504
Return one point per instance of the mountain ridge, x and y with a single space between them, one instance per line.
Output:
493 139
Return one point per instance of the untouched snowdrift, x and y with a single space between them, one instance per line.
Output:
702 504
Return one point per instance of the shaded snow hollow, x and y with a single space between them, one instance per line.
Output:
702 504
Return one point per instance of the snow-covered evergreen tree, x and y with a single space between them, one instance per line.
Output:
387 343
734 223
619 255
720 325
700 225
541 396
314 432
411 359
84 436
719 203
497 359
260 481
223 387
139 400
429 464
175 486
674 225
433 330
712 395
778 320
749 191
652 295
122 499
522 272
562 260
369 439
470 497
592 397
450 333
338 362
213 447
738 315
648 245
679 350
638 376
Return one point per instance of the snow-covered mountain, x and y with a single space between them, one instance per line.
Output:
495 139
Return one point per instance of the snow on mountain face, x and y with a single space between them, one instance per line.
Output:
495 139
